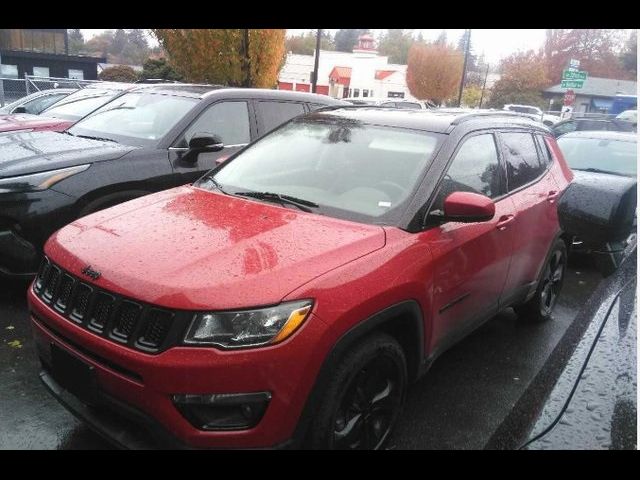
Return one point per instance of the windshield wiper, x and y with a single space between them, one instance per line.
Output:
598 170
217 185
298 202
104 139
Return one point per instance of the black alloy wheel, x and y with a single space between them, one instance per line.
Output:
552 282
369 407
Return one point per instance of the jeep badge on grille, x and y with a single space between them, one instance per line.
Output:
90 272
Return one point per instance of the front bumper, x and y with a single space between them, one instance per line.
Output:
18 257
138 386
114 421
26 221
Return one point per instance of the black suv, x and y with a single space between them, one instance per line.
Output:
581 124
147 139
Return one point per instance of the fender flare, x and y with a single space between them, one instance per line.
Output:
409 309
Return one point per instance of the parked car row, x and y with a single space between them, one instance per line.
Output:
64 112
35 103
391 102
144 140
533 112
328 254
593 124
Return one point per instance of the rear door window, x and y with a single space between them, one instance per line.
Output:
521 159
273 114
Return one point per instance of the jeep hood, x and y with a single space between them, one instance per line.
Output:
25 121
23 153
188 248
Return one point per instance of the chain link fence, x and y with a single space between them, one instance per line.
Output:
12 89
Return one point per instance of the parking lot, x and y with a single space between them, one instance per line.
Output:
459 404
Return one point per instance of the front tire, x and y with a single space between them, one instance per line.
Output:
364 397
540 306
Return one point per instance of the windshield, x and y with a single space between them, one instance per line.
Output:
615 156
138 119
80 103
349 169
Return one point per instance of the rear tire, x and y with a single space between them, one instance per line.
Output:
364 397
540 307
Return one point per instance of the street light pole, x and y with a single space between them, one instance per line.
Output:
314 80
464 65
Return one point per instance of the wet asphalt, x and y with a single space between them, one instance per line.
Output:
459 404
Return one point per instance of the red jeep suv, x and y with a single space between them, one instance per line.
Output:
289 296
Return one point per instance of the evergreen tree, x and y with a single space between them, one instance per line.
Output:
347 38
76 41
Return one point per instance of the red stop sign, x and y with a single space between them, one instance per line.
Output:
569 97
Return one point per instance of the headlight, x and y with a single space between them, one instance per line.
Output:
38 181
248 328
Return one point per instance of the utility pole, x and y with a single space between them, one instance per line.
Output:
314 80
464 65
486 74
246 60
1 86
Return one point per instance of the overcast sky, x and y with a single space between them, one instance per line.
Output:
494 43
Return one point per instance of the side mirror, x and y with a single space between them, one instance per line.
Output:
20 109
468 207
205 142
200 143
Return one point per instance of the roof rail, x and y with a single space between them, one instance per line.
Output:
350 107
497 113
156 80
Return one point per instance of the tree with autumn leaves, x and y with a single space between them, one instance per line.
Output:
433 71
233 57
601 52
523 77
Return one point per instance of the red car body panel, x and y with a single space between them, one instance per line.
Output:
199 370
176 249
23 121
254 254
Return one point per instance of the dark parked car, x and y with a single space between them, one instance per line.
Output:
593 403
608 158
390 102
607 153
35 103
290 295
67 111
580 124
145 140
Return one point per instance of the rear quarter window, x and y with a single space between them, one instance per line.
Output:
545 155
272 114
521 159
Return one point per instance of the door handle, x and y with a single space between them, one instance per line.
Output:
505 220
552 196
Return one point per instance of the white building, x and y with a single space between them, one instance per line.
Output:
362 73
